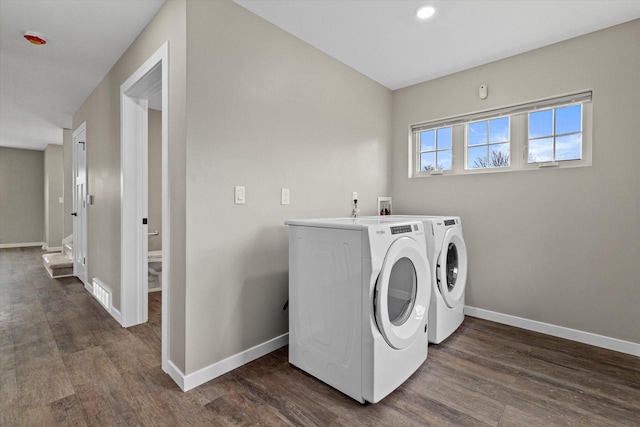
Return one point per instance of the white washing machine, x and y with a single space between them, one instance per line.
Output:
447 254
359 292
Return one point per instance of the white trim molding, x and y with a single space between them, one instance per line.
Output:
20 245
113 312
176 374
201 376
556 331
135 92
116 315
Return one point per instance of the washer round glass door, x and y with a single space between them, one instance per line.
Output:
402 293
452 268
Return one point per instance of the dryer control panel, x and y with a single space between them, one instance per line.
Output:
399 229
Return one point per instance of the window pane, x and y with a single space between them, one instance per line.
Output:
499 130
427 140
569 147
428 161
444 160
541 124
477 157
569 119
444 138
541 150
478 133
499 155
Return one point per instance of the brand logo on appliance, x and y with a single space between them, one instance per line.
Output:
380 232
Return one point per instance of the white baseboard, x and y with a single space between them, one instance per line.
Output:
175 374
187 382
105 296
20 245
556 331
116 315
53 249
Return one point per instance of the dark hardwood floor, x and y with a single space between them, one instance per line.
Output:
65 361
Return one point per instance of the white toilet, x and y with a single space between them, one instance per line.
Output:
154 262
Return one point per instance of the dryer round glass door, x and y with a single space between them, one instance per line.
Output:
452 268
402 293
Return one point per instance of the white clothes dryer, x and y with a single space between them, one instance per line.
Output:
447 254
359 292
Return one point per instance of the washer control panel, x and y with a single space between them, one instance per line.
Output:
399 229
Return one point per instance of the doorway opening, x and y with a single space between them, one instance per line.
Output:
148 84
79 178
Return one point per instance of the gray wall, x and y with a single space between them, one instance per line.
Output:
21 196
53 190
155 178
558 246
265 111
101 111
67 154
278 114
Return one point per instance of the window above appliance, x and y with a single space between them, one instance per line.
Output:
554 132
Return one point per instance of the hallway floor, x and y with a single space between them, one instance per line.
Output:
65 361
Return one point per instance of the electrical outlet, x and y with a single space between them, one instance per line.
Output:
354 195
239 195
285 196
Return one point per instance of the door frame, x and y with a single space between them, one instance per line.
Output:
77 243
152 76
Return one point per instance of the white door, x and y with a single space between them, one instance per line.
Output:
452 268
80 203
403 291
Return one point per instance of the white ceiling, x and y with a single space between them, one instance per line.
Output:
41 87
384 40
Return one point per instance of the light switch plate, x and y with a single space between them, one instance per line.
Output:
285 196
239 195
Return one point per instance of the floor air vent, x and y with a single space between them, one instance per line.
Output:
102 293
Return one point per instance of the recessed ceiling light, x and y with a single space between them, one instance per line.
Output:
424 12
35 38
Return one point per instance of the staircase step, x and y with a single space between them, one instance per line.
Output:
58 265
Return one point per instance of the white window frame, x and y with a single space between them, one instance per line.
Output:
518 140
587 114
488 144
416 137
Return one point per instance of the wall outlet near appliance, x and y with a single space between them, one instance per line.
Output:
239 198
285 196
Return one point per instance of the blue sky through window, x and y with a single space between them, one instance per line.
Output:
435 149
488 143
555 134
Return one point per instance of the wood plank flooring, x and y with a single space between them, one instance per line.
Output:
65 361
